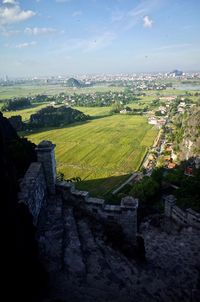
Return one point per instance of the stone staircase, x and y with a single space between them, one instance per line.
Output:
82 267
77 261
50 234
72 249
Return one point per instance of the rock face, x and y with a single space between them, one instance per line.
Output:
84 267
20 267
16 122
190 145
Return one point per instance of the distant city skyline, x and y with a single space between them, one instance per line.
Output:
61 37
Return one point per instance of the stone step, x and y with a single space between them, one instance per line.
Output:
96 266
123 272
50 235
72 253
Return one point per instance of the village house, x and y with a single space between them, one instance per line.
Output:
123 111
152 121
163 109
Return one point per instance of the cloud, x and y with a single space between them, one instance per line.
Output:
77 13
137 12
39 31
147 22
173 46
26 44
9 2
9 33
137 15
14 14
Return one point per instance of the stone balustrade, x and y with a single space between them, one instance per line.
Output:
187 217
124 214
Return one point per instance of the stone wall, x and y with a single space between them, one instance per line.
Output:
124 214
187 217
33 190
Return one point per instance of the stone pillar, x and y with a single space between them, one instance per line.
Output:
193 218
46 156
197 162
170 201
128 217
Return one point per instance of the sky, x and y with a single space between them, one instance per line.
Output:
63 37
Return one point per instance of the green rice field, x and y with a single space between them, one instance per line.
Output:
103 151
32 90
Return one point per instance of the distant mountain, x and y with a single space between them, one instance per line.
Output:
176 72
74 83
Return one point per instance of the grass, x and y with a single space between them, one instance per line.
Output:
31 90
27 90
95 111
103 151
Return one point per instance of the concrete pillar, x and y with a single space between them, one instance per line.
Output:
46 156
128 217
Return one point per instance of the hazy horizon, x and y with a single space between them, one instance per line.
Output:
63 37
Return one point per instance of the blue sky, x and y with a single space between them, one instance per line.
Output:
62 37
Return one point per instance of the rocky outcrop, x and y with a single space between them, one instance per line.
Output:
190 144
22 274
16 122
56 116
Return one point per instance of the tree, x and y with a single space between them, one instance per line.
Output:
160 162
146 189
16 104
116 107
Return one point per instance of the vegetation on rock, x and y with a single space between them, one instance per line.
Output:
52 116
16 104
186 133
